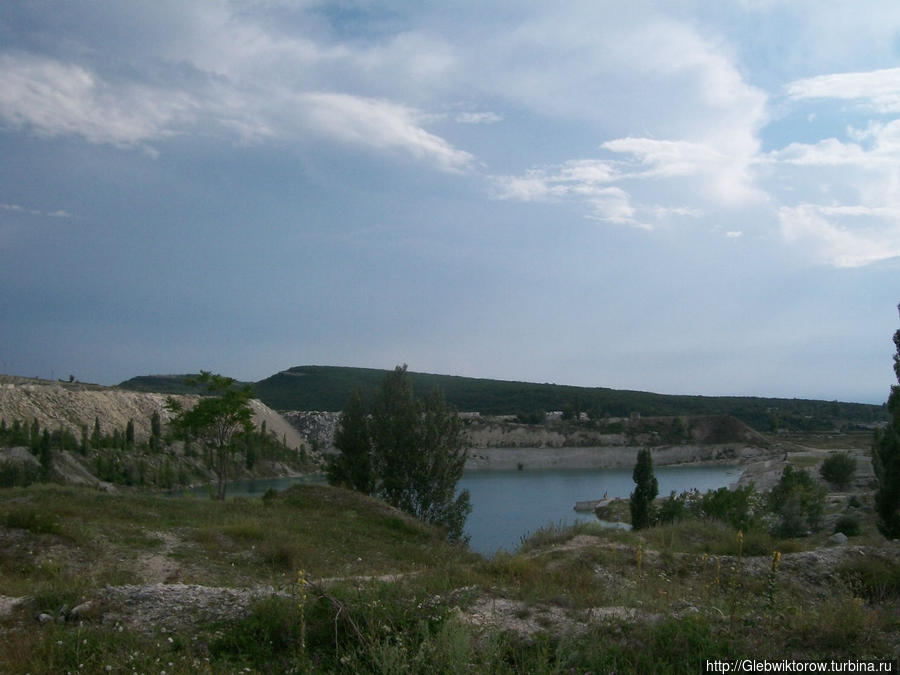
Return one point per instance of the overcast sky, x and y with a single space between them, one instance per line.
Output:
681 197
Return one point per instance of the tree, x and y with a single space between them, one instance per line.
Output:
155 431
838 469
645 491
352 465
129 434
418 454
46 456
798 502
886 459
217 420
96 438
35 436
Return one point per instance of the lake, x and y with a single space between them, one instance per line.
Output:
507 505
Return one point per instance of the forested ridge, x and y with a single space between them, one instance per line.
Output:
329 388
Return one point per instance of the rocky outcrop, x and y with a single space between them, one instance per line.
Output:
316 427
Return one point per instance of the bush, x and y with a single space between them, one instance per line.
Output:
673 508
838 469
797 502
848 525
874 579
17 474
739 507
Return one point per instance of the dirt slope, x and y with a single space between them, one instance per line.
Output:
71 405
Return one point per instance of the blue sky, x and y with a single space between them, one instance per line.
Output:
682 197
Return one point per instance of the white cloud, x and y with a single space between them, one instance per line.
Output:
577 177
835 237
613 205
378 124
827 152
878 89
16 208
51 98
587 181
478 118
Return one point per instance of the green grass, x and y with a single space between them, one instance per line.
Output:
692 601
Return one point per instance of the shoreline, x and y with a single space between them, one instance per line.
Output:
611 457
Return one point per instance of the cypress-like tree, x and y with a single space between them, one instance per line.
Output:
886 459
352 465
129 434
155 431
35 436
96 438
46 456
645 490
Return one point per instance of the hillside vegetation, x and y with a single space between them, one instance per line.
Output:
320 579
328 388
88 434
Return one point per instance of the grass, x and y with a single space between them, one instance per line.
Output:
691 596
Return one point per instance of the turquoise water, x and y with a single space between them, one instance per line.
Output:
507 505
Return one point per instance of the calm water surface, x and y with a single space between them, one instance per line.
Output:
507 505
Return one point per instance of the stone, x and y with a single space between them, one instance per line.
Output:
837 539
81 611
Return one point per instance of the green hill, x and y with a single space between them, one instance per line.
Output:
328 388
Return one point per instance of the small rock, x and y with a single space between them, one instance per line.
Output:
837 539
44 618
80 611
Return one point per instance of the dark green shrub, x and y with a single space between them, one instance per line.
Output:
673 508
17 474
848 525
838 469
739 507
797 503
533 417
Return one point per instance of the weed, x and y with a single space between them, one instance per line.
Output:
874 579
33 520
772 585
268 638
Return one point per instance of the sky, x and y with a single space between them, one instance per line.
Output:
683 197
